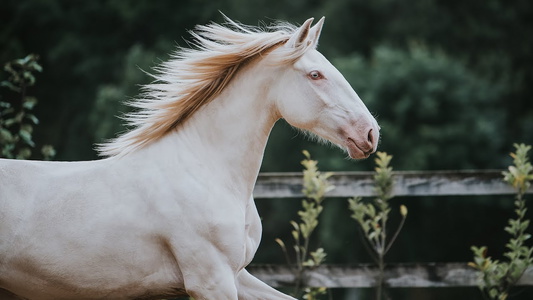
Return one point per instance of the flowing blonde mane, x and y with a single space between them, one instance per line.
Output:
194 77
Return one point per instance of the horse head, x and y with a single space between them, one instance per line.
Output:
313 95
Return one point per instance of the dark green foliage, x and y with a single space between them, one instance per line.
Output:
16 118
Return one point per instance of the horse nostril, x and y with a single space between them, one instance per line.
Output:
370 137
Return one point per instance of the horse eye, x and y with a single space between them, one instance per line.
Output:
315 75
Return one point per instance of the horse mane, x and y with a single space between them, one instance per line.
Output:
195 76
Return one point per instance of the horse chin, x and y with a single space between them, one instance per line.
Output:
354 151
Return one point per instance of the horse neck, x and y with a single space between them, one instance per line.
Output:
227 137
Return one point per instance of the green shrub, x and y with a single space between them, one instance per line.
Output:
496 277
373 217
315 186
16 118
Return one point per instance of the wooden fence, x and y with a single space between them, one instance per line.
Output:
411 183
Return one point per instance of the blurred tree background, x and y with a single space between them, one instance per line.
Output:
450 83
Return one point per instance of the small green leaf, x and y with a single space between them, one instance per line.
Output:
10 122
10 86
26 137
5 136
24 153
33 118
280 243
48 152
29 102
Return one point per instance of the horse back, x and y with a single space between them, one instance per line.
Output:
30 188
22 180
19 182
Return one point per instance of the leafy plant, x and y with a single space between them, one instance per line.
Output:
373 217
315 186
16 119
496 278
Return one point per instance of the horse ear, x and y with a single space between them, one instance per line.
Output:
316 30
300 35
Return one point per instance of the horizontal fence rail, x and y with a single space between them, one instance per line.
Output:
363 276
407 183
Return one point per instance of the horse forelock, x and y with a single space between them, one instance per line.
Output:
195 76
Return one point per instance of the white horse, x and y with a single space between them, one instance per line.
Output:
170 211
